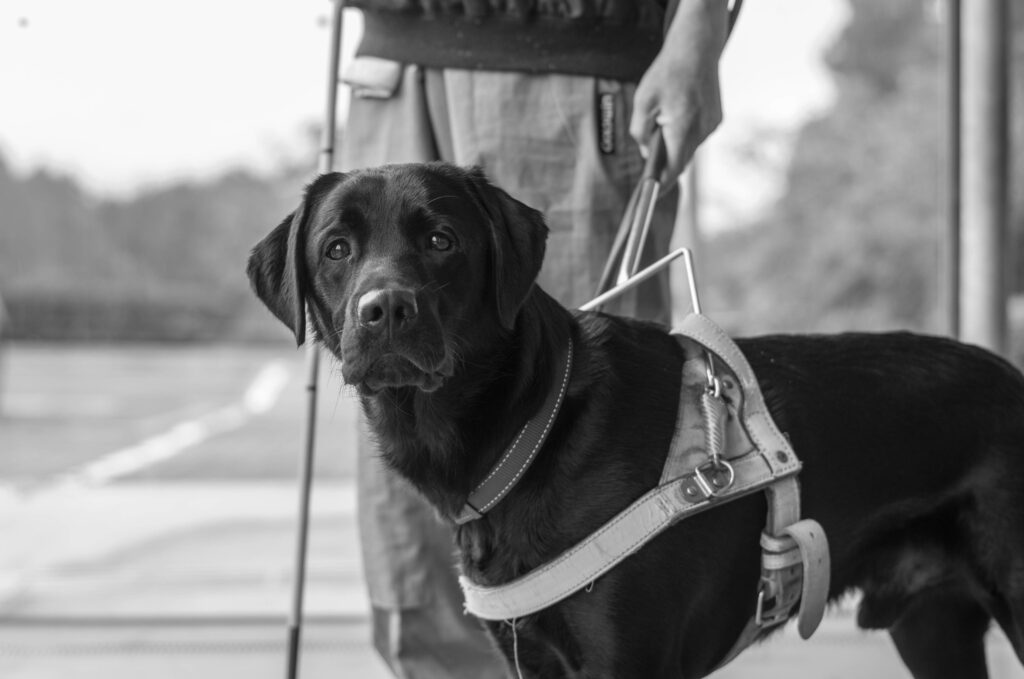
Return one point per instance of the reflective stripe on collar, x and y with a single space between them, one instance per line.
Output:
520 454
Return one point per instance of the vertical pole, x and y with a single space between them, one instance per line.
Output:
951 288
326 164
984 203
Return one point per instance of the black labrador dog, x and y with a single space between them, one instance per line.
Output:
420 280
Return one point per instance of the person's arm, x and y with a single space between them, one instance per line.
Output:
680 92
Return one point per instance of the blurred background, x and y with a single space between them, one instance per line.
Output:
151 409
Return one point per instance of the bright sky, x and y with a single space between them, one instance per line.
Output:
773 80
124 94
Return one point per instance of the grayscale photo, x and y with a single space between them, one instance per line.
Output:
512 339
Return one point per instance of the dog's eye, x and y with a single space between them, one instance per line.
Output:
439 241
338 249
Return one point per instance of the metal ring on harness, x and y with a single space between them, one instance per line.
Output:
715 486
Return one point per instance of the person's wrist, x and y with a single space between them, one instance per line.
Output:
708 19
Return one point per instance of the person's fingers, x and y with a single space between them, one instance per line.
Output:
678 136
686 109
642 122
677 161
681 136
696 118
641 129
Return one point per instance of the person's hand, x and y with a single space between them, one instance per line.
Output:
679 92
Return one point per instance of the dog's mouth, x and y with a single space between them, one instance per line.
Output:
395 370
416 357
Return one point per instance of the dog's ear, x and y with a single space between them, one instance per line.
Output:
518 235
277 264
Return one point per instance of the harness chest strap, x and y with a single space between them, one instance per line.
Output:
601 551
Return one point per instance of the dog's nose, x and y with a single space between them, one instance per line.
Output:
393 307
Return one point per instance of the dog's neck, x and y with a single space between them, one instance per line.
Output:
446 441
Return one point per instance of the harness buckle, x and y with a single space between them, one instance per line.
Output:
781 580
759 611
770 611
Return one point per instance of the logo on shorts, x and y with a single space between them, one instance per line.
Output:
606 123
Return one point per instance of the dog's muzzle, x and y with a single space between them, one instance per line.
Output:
394 339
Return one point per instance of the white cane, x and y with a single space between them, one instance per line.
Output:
326 164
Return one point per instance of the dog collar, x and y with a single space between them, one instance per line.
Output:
518 457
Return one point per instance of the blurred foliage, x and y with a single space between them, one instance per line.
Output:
857 240
855 243
168 264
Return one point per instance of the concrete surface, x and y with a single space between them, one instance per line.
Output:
176 559
165 579
185 649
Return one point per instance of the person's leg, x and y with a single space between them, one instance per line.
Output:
419 627
561 144
408 554
388 125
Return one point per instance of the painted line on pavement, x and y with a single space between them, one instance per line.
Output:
260 396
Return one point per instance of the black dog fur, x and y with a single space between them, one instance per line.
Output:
419 278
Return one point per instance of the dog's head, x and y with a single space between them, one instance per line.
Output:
397 266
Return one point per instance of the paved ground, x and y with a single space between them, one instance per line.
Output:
192 580
195 413
182 567
190 649
178 580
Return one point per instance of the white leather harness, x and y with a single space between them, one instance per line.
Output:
725 446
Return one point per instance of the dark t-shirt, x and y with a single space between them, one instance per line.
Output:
614 39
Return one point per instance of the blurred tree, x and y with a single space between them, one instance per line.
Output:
855 242
166 264
50 237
